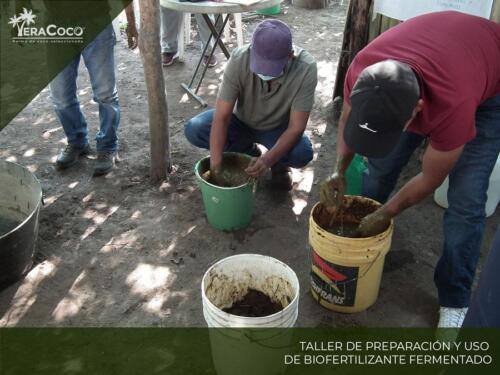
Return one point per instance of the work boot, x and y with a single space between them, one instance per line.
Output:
69 156
280 178
211 62
105 163
168 58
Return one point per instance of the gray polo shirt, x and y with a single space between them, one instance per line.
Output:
260 106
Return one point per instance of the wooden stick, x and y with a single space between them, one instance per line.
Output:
149 45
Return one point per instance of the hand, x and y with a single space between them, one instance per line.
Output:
375 223
132 36
332 191
216 175
257 167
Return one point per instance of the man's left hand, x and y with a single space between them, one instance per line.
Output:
132 36
257 167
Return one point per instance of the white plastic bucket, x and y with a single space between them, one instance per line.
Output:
441 193
229 279
245 348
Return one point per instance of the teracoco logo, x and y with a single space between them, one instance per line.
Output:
26 33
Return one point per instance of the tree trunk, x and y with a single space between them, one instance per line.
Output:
310 4
149 45
355 38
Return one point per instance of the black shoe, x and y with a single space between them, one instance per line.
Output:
105 163
211 62
280 178
69 156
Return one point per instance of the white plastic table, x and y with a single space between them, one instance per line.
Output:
225 7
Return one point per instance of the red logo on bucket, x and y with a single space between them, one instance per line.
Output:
334 283
326 269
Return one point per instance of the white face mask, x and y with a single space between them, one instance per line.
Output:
266 78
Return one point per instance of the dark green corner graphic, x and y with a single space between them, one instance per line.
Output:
38 38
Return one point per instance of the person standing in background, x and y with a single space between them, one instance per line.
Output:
170 29
98 56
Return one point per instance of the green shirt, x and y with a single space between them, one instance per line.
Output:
260 106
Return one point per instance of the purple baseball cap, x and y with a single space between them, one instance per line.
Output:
271 47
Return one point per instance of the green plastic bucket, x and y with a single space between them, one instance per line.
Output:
227 208
270 11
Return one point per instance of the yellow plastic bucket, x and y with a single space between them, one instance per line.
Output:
346 272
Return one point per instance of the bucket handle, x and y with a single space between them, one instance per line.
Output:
250 339
259 343
334 285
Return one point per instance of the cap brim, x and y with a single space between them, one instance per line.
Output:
367 143
260 65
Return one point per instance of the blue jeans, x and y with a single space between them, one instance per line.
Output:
99 59
484 310
463 222
241 138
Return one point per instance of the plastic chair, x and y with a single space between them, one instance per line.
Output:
237 28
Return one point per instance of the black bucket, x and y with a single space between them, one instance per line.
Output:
20 200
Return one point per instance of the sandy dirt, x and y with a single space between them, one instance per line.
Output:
119 251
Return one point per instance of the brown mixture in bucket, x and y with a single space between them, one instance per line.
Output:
344 223
254 304
232 171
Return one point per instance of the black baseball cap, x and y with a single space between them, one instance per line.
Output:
382 101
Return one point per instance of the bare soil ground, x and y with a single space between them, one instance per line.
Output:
119 251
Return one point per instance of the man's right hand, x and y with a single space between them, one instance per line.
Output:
218 135
216 174
332 191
